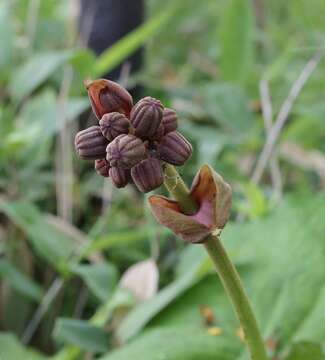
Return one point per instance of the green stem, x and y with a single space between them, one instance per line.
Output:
224 267
178 189
237 294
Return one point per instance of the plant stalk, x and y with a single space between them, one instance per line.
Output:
237 294
224 267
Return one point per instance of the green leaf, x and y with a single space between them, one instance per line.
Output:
177 343
255 204
144 312
131 42
11 349
281 259
38 118
35 71
48 241
82 334
308 130
20 282
306 350
227 104
118 238
83 61
6 37
236 41
101 278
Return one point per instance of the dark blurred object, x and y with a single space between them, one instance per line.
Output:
103 22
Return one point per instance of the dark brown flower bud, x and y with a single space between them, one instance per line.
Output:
102 167
114 124
107 96
148 174
169 120
91 144
174 148
125 151
146 117
120 177
158 135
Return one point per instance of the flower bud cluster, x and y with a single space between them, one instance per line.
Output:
132 141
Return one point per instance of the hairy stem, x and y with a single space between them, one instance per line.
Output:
224 267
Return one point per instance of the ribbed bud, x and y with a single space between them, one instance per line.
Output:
174 148
119 177
114 124
169 120
158 135
102 167
107 96
146 117
148 174
125 151
91 144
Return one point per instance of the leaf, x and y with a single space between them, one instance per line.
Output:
131 42
141 279
101 278
236 41
47 241
144 312
255 204
227 104
186 309
177 343
11 349
83 61
35 71
304 351
308 131
281 258
82 334
6 37
20 282
118 238
38 119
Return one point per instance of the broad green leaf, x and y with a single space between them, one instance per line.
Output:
131 42
313 328
100 278
35 71
186 309
48 241
281 259
20 282
236 41
306 351
81 334
289 258
11 349
178 343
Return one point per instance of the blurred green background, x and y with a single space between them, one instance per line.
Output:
85 271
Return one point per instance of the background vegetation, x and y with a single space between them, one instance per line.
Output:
243 76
